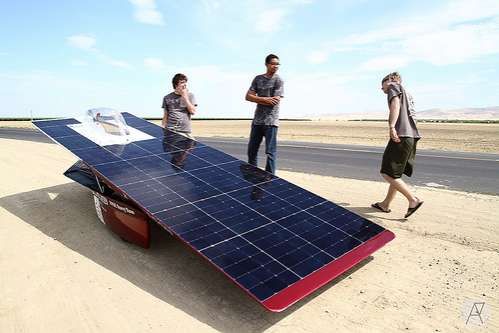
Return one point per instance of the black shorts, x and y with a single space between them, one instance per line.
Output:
398 158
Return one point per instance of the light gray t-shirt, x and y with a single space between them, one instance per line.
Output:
179 118
267 87
406 122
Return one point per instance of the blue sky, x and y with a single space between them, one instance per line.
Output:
60 58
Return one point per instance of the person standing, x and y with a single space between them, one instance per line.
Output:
179 106
400 152
266 91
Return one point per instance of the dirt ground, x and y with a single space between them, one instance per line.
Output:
482 138
61 270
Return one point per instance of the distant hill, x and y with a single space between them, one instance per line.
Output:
485 113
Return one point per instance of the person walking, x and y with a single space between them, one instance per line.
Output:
400 152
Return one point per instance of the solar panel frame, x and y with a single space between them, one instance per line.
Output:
269 236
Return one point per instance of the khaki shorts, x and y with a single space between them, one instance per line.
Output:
398 158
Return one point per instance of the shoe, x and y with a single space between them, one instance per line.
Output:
411 211
378 207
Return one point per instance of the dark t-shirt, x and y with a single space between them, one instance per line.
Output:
406 122
179 118
267 87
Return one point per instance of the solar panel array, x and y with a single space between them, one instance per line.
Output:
262 231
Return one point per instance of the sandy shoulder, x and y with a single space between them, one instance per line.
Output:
62 270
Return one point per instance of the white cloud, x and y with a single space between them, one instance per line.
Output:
79 63
389 62
154 63
84 42
210 6
270 20
317 57
145 12
87 43
117 63
457 33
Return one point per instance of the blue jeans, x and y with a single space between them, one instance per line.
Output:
258 132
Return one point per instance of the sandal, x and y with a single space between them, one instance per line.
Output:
411 211
378 207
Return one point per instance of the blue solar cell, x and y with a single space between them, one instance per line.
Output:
352 226
55 122
182 161
224 247
368 232
263 202
236 255
212 155
152 130
135 122
155 146
325 240
59 131
247 172
220 179
288 277
301 222
76 142
127 151
182 142
262 292
312 264
275 284
342 246
154 166
96 155
293 194
189 187
121 173
289 245
232 214
184 218
203 230
241 267
153 196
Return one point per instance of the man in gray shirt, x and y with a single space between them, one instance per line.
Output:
179 106
266 91
400 151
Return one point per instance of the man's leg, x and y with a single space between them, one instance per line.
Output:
390 195
256 136
399 185
271 148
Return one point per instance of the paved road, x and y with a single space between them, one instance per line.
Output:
471 172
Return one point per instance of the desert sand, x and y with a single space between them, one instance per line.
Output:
61 270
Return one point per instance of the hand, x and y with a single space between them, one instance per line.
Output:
274 100
182 90
393 135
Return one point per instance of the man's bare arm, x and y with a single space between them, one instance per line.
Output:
191 108
393 116
251 96
165 119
